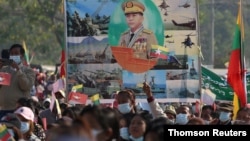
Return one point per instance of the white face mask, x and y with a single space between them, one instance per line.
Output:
25 127
124 133
124 108
181 119
136 139
16 58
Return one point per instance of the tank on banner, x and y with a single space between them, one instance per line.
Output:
109 50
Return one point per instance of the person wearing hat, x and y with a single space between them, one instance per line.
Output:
26 116
225 114
170 112
46 103
137 37
60 96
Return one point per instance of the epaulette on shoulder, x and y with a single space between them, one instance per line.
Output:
126 32
147 31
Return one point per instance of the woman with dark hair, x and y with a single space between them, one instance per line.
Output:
26 116
35 107
103 122
127 107
156 133
139 124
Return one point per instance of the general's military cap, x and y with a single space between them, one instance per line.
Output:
133 6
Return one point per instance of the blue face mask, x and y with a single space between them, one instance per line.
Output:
124 108
124 133
16 58
181 119
224 116
25 127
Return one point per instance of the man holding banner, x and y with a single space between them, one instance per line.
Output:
137 37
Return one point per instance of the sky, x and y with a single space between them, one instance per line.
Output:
90 6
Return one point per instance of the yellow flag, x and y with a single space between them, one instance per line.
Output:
95 99
77 87
236 105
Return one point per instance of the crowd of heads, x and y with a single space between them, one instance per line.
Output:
40 117
35 118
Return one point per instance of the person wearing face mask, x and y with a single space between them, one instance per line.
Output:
183 115
139 124
226 114
127 107
21 81
26 117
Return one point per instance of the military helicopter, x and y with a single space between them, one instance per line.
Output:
168 36
166 13
190 24
186 5
163 5
188 42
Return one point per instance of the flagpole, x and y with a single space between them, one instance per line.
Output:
243 65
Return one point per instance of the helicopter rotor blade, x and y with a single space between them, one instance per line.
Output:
186 17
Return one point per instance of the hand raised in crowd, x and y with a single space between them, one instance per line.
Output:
147 89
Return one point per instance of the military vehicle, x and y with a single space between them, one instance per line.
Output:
154 88
173 62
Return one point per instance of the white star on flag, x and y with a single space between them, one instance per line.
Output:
158 51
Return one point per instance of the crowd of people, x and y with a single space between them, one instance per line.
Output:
29 113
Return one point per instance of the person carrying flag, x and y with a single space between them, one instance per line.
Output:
21 81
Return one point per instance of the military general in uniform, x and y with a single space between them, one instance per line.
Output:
137 37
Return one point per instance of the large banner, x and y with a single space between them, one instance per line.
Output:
120 44
219 86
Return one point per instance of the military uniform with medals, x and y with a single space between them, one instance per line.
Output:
142 39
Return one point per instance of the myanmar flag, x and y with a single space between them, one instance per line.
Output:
236 71
4 134
159 51
77 88
26 54
95 99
